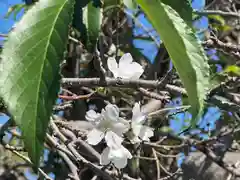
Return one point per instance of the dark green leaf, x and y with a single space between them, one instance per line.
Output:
92 19
29 74
87 20
184 9
184 49
111 4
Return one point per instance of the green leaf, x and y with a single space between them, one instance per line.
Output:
218 22
87 20
217 19
184 9
225 103
92 19
29 74
130 4
216 80
184 49
109 4
233 69
165 129
15 9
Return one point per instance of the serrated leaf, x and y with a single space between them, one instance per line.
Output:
92 19
184 9
216 80
184 49
29 74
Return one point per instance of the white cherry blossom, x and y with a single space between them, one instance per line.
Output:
140 131
106 122
126 69
115 152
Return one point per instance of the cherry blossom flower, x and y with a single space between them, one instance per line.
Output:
115 152
107 121
140 131
126 69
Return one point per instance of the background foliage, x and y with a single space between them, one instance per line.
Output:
208 102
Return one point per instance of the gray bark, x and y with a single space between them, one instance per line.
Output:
198 167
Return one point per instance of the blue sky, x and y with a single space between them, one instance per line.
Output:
148 48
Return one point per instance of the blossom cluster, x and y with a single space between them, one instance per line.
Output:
110 127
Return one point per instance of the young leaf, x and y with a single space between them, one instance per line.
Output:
185 51
130 4
15 9
29 74
87 19
233 69
92 19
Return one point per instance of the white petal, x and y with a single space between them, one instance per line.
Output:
112 112
137 116
120 127
120 162
137 70
131 70
136 128
95 136
113 66
104 159
136 111
91 115
140 119
125 60
113 140
145 133
104 125
127 153
120 156
126 72
135 140
119 152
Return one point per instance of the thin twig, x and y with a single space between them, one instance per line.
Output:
153 95
216 43
165 110
79 158
3 35
29 161
13 148
75 97
98 58
217 12
126 83
62 107
64 153
157 163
